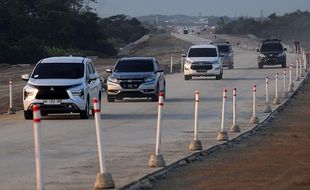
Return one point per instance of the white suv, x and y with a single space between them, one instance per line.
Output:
61 85
203 60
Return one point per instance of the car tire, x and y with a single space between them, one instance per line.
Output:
110 98
283 65
260 66
155 96
230 66
85 113
28 114
219 77
186 77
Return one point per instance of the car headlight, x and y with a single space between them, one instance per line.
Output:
112 79
80 93
150 79
262 56
29 91
187 64
281 54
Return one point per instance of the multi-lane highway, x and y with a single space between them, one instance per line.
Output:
69 144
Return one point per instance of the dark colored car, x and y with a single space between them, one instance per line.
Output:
135 77
271 52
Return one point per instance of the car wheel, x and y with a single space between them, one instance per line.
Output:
186 77
85 113
110 98
28 114
155 96
219 77
230 66
260 66
283 65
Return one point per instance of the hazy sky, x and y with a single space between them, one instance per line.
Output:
194 7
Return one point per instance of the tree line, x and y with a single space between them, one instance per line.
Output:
289 27
33 29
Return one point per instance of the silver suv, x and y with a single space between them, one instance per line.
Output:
226 53
135 77
61 85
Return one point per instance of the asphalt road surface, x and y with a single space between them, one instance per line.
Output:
69 144
275 158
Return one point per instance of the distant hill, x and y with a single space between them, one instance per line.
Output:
181 19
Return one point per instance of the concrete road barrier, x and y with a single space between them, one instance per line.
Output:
38 147
222 134
11 109
276 100
234 127
254 118
196 143
157 159
104 179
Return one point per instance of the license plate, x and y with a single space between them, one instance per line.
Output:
52 102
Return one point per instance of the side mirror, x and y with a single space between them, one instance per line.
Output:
92 77
285 49
108 70
25 77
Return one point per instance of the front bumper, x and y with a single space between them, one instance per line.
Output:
271 61
70 105
143 90
214 71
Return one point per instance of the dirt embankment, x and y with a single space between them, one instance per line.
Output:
276 157
160 46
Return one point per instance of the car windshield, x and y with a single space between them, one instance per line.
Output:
58 71
223 48
202 52
271 47
134 66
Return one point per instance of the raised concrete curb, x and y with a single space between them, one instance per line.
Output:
146 181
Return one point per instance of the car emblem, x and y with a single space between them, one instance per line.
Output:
51 89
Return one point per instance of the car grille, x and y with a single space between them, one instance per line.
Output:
201 66
131 84
52 92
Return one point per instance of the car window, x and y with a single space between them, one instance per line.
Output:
58 71
271 47
223 48
134 66
202 52
90 68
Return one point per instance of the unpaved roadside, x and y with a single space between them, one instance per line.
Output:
160 46
276 157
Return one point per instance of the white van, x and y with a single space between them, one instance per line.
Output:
203 60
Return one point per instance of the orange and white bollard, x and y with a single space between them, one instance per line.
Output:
291 84
196 143
267 107
276 100
104 179
11 110
38 147
157 159
285 94
171 64
297 71
254 118
234 127
222 134
301 67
